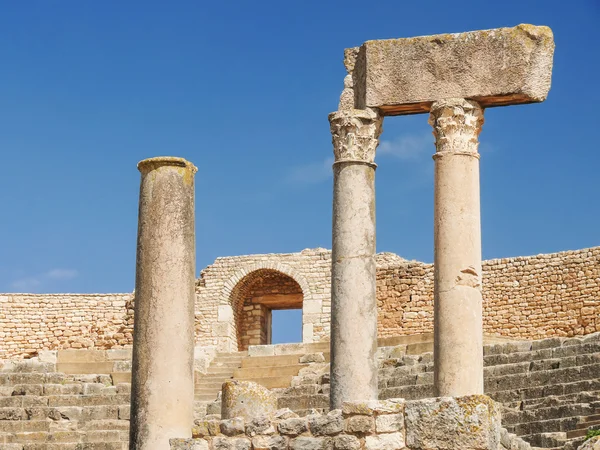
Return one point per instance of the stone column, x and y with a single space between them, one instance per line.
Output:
458 327
353 301
162 396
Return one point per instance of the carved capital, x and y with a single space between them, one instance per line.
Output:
355 134
456 126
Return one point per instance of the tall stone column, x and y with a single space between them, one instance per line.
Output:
353 300
458 327
162 397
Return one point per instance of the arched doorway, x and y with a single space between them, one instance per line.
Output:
254 298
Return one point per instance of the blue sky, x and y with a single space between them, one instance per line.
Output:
243 89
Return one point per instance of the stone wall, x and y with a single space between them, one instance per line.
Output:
31 322
471 422
528 297
524 297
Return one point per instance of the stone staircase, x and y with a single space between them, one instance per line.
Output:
207 386
41 409
550 389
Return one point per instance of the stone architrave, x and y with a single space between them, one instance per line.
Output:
353 299
162 392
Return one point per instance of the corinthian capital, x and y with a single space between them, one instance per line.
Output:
355 134
456 125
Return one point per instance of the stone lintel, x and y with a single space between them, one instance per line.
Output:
498 67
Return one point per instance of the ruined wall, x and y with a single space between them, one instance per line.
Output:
31 322
529 297
216 312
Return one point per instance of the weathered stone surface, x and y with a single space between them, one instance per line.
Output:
310 443
346 442
371 407
269 443
360 424
326 425
458 330
471 422
247 400
293 426
188 444
162 389
392 441
591 444
229 443
259 425
231 427
495 67
389 423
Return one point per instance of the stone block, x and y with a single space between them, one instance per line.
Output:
326 425
346 442
247 400
232 427
261 350
229 443
310 443
389 423
493 67
391 441
225 313
470 422
360 424
293 426
269 443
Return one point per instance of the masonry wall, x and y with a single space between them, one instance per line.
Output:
524 297
529 297
31 322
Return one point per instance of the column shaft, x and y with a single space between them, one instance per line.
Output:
353 296
458 332
163 342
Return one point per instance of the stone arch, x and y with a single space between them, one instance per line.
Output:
233 299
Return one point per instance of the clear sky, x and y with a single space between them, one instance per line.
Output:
243 89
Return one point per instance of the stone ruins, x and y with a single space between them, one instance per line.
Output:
395 354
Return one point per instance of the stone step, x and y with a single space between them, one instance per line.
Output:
304 402
511 417
270 361
105 367
120 377
271 382
260 372
540 392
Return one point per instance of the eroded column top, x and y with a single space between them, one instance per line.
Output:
456 126
355 134
147 165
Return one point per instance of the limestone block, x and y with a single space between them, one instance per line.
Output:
493 67
269 443
591 444
360 424
346 442
310 443
231 427
188 444
326 425
225 313
261 350
293 426
470 422
228 443
247 400
392 441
